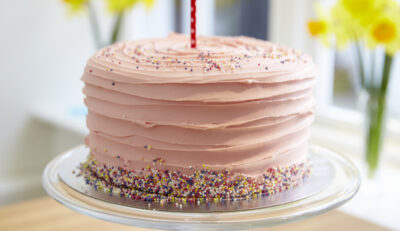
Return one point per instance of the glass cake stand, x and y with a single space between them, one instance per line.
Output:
333 181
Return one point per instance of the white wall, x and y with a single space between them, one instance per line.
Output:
42 54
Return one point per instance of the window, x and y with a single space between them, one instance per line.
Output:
345 84
226 17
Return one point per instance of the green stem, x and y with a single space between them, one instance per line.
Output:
372 70
386 72
376 113
117 27
94 24
361 65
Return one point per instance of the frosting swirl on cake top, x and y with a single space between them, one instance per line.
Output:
217 59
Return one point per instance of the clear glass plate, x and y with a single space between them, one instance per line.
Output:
333 181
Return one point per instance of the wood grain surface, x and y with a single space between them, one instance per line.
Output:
45 214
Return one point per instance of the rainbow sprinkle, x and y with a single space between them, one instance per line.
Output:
155 184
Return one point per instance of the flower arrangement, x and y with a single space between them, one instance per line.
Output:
116 7
372 26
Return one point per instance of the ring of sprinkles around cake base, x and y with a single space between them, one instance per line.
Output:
154 184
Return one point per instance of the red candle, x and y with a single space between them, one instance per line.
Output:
193 24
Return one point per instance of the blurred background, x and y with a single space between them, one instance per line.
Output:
44 48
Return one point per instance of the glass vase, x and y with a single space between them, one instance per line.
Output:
373 104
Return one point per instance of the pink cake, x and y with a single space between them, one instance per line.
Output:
228 120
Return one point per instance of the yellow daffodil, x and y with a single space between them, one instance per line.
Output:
320 27
317 27
367 11
148 3
116 6
359 9
377 22
385 31
75 5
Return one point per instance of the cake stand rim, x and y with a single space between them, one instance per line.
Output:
187 217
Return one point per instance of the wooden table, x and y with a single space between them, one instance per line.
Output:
46 214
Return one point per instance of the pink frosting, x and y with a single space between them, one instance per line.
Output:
233 103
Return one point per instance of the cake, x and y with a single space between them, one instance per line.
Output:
228 120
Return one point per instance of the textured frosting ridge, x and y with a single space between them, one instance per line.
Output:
233 103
